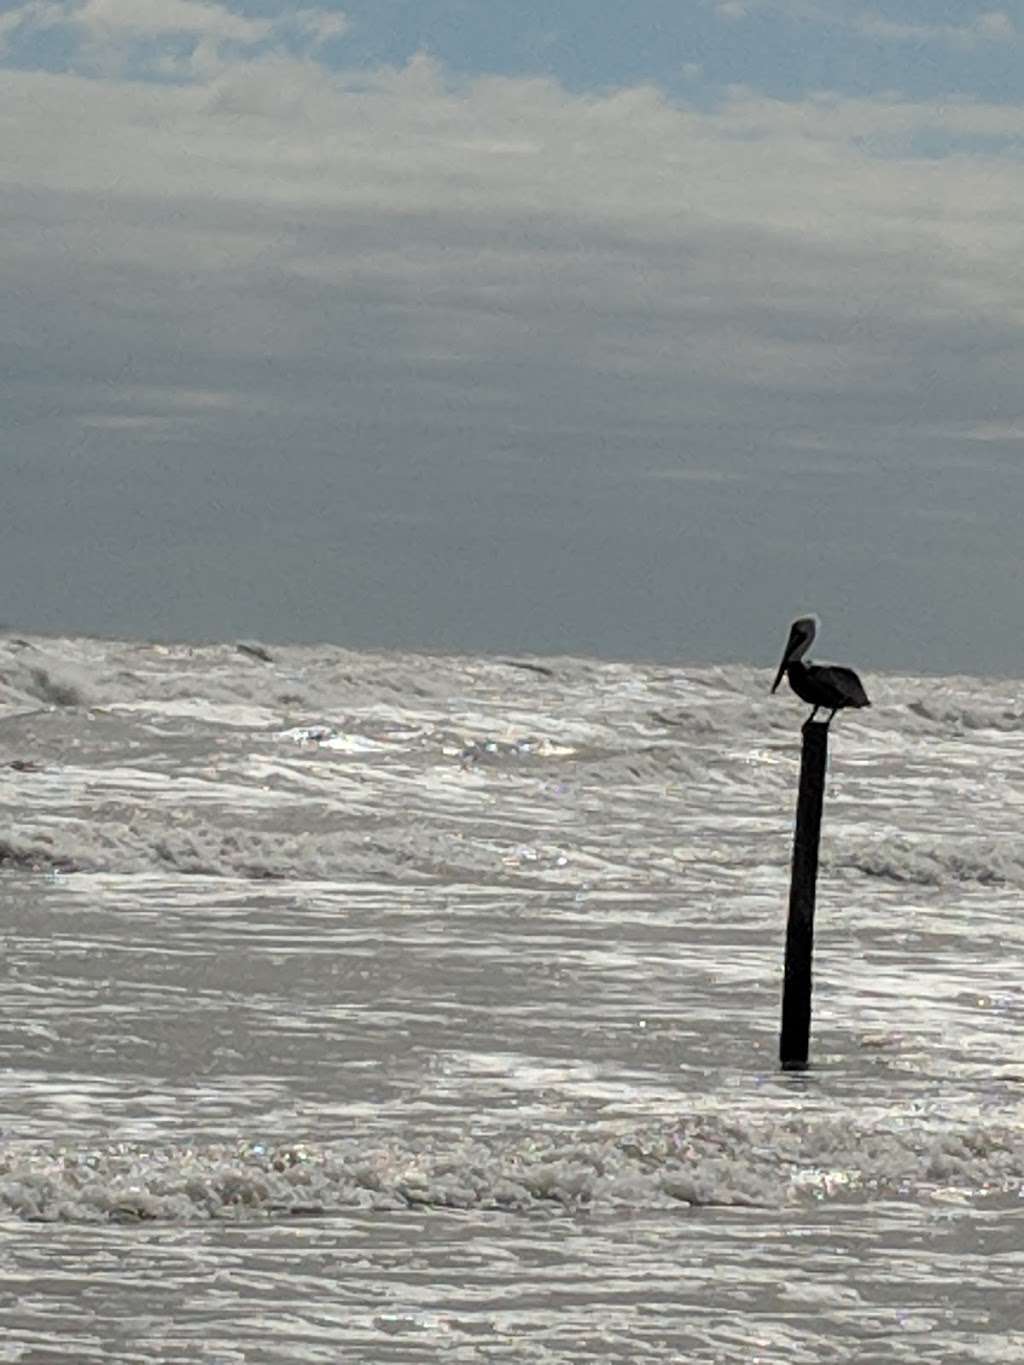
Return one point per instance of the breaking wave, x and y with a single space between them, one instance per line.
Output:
954 717
931 863
140 846
700 1163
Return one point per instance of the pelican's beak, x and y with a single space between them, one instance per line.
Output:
795 638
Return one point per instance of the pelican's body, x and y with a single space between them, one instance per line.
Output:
821 685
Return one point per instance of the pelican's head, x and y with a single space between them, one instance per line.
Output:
801 633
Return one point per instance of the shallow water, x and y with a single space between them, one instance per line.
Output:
390 1008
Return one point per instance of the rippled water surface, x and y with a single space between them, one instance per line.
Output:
392 1008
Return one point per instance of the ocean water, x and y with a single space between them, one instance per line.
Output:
381 1007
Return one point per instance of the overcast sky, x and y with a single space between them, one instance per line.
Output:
563 327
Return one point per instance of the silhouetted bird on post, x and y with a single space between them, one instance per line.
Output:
822 685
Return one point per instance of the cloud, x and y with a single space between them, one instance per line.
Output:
137 423
35 15
157 17
1012 431
991 26
734 9
147 36
996 24
462 231
317 25
336 298
135 18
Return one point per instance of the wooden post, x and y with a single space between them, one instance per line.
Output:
794 1039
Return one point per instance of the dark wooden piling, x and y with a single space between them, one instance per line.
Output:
794 1040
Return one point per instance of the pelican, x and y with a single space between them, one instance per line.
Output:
823 685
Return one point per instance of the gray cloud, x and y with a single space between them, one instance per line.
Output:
986 27
382 358
991 26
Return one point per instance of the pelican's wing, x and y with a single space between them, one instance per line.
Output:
846 683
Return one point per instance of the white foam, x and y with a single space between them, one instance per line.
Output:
931 861
700 1162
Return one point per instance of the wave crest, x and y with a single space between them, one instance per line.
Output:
930 863
699 1162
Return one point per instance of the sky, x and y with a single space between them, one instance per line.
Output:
631 331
